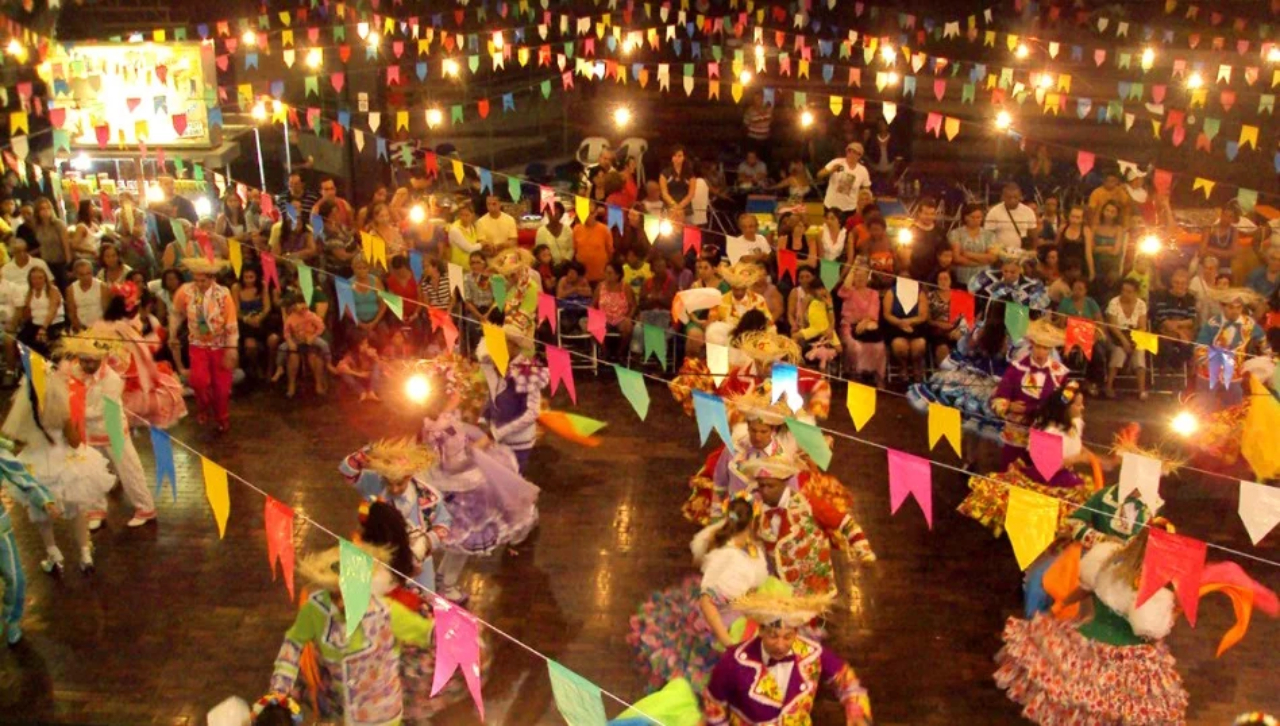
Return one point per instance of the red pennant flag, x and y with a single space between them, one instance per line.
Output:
458 16
76 400
561 370
1228 100
160 157
132 104
269 273
1162 180
1080 332
338 80
58 117
278 522
1084 162
224 62
335 132
344 53
162 72
692 239
441 321
962 306
179 122
266 205
104 201
431 165
1179 135
483 106
1173 558
547 310
103 133
1202 142
786 264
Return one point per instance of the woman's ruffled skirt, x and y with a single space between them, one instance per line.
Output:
487 512
672 638
988 497
77 478
162 406
966 390
1062 678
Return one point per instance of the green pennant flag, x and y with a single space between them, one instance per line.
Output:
179 34
568 50
800 99
1017 318
1136 90
513 188
305 282
339 32
61 140
1248 199
546 89
264 23
355 581
967 93
584 426
829 271
1126 59
811 439
1267 103
311 85
577 699
113 415
655 341
499 285
394 302
179 167
632 385
473 62
717 52
455 114
197 172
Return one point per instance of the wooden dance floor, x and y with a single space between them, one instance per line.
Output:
175 620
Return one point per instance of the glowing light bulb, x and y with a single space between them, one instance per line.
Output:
905 237
744 78
498 42
417 214
81 163
665 228
1195 81
314 58
362 30
277 106
259 111
1185 423
888 53
1022 51
16 49
204 207
374 39
759 53
1045 81
450 67
1148 58
434 117
1273 55
621 117
628 46
1003 120
806 119
417 389
891 78
249 38
1150 245
154 193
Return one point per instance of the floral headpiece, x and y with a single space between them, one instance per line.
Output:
278 699
129 291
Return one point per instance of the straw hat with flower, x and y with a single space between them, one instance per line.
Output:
86 346
321 569
765 347
770 467
741 274
1242 295
775 604
1042 332
204 265
398 459
511 260
756 406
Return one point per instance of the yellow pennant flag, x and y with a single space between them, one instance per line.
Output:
837 105
233 252
458 172
402 120
495 341
1031 519
1155 127
18 122
1249 136
158 36
215 489
522 55
944 422
1205 184
861 402
735 90
380 252
366 245
582 208
952 127
1142 340
39 369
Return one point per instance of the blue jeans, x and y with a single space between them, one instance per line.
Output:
363 385
15 584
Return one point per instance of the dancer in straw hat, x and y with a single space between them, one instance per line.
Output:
210 314
515 397
723 318
152 390
1226 340
1029 381
521 306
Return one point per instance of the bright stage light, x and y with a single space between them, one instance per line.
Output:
905 237
314 58
621 117
744 78
1003 120
417 388
1195 81
1185 424
1148 59
1045 81
259 111
417 214
373 40
498 42
1150 245
892 78
249 38
450 67
806 119
434 117
1022 51
81 162
204 207
665 228
154 193
888 53
1273 55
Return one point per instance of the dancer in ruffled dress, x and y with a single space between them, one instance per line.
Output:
152 391
490 505
966 380
36 496
680 631
723 319
1031 379
55 453
515 398
393 470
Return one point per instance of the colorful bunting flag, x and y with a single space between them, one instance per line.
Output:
215 490
1031 520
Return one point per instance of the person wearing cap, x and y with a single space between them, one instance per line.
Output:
1110 191
359 680
1029 381
210 314
775 677
1226 340
83 363
848 177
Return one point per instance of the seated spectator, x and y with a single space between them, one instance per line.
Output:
943 331
860 324
752 172
381 195
544 264
86 234
635 271
197 241
556 235
1007 283
496 229
258 341
42 318
20 263
369 306
1126 312
615 299
705 276
1079 305
1266 280
907 332
1173 315
798 297
86 297
291 239
1141 274
1203 281
797 184
814 326
749 245
651 202
1271 318
111 267
477 294
360 367
573 294
131 233
341 243
774 301
793 236
1051 222
342 213
303 340
657 292
1049 273
464 238
972 245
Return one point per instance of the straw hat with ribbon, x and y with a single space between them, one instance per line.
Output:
86 346
1042 332
321 569
511 260
765 347
741 274
775 604
204 265
771 467
756 406
1242 295
398 459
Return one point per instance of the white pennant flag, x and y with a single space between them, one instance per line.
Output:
1142 474
664 77
890 111
1128 121
907 291
718 361
1259 509
688 85
359 137
455 277
375 120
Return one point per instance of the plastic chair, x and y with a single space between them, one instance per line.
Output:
636 147
589 150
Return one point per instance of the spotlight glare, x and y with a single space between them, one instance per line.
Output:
621 117
888 53
905 237
434 117
892 78
665 228
259 111
744 78
1185 424
1273 55
806 119
204 207
1150 245
374 40
1003 120
314 58
154 193
417 388
82 162
417 214
450 67
1148 58
14 48
249 38
1022 51
1045 81
1195 81
498 42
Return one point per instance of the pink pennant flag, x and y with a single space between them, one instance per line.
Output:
337 80
910 475
1046 452
269 273
266 205
547 310
546 199
692 239
1158 91
179 123
278 522
440 320
561 370
939 88
1084 162
596 324
933 122
457 647
1162 180
1177 559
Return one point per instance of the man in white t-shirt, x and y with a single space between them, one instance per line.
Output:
496 228
848 177
751 246
20 264
1012 222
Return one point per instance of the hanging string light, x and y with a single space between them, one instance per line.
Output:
1004 120
1185 424
417 388
622 117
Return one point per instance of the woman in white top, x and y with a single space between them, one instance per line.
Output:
1126 312
42 318
831 247
86 235
556 235
86 296
1202 284
113 270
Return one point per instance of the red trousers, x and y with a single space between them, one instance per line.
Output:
211 382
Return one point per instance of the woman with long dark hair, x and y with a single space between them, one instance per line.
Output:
967 378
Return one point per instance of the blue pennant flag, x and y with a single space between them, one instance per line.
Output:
508 102
415 264
710 412
615 218
346 298
486 180
317 226
162 450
